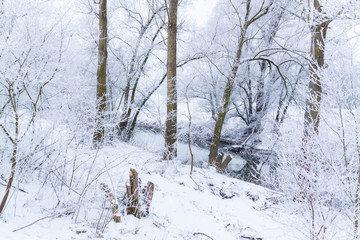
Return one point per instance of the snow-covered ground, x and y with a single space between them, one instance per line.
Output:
184 206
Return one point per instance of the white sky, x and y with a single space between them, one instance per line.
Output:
199 11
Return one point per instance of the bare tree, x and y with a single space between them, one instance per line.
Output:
148 29
257 97
17 135
31 64
137 53
146 98
243 24
309 161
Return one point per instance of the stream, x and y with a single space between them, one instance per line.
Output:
154 142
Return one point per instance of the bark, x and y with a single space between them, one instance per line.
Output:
313 102
249 172
124 118
171 113
99 131
189 135
221 163
134 73
219 159
283 106
142 104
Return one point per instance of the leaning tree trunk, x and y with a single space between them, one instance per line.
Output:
127 118
215 141
312 110
99 131
171 116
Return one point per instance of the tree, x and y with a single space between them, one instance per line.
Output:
171 114
140 56
257 97
30 61
243 25
142 46
99 130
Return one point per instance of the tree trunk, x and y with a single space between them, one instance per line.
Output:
99 131
171 116
13 163
312 110
249 172
312 115
124 117
11 179
215 141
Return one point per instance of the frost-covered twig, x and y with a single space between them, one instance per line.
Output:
203 234
251 238
43 218
196 183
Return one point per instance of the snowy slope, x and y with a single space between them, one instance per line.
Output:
205 203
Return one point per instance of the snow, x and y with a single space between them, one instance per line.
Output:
56 193
204 202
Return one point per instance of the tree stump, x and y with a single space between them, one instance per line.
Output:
132 190
220 164
219 159
225 163
138 198
149 196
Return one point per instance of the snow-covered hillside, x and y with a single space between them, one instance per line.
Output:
184 206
